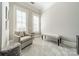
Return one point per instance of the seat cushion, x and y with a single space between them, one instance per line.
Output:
53 37
25 38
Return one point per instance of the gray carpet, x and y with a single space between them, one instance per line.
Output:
44 48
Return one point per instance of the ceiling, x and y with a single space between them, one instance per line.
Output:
42 5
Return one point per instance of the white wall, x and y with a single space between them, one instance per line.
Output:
0 23
62 18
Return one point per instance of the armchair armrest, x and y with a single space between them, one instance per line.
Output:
17 38
16 35
29 35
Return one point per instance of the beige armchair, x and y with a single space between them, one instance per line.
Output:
24 38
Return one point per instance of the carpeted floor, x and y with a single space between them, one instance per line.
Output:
44 48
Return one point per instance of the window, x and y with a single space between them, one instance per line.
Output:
35 23
20 20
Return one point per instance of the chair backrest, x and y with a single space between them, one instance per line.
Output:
20 33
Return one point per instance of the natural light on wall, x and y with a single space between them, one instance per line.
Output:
20 20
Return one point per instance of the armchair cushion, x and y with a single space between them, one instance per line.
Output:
25 38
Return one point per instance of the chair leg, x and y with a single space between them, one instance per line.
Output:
42 37
45 36
58 42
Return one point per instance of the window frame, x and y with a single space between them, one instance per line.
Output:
36 14
27 14
20 21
